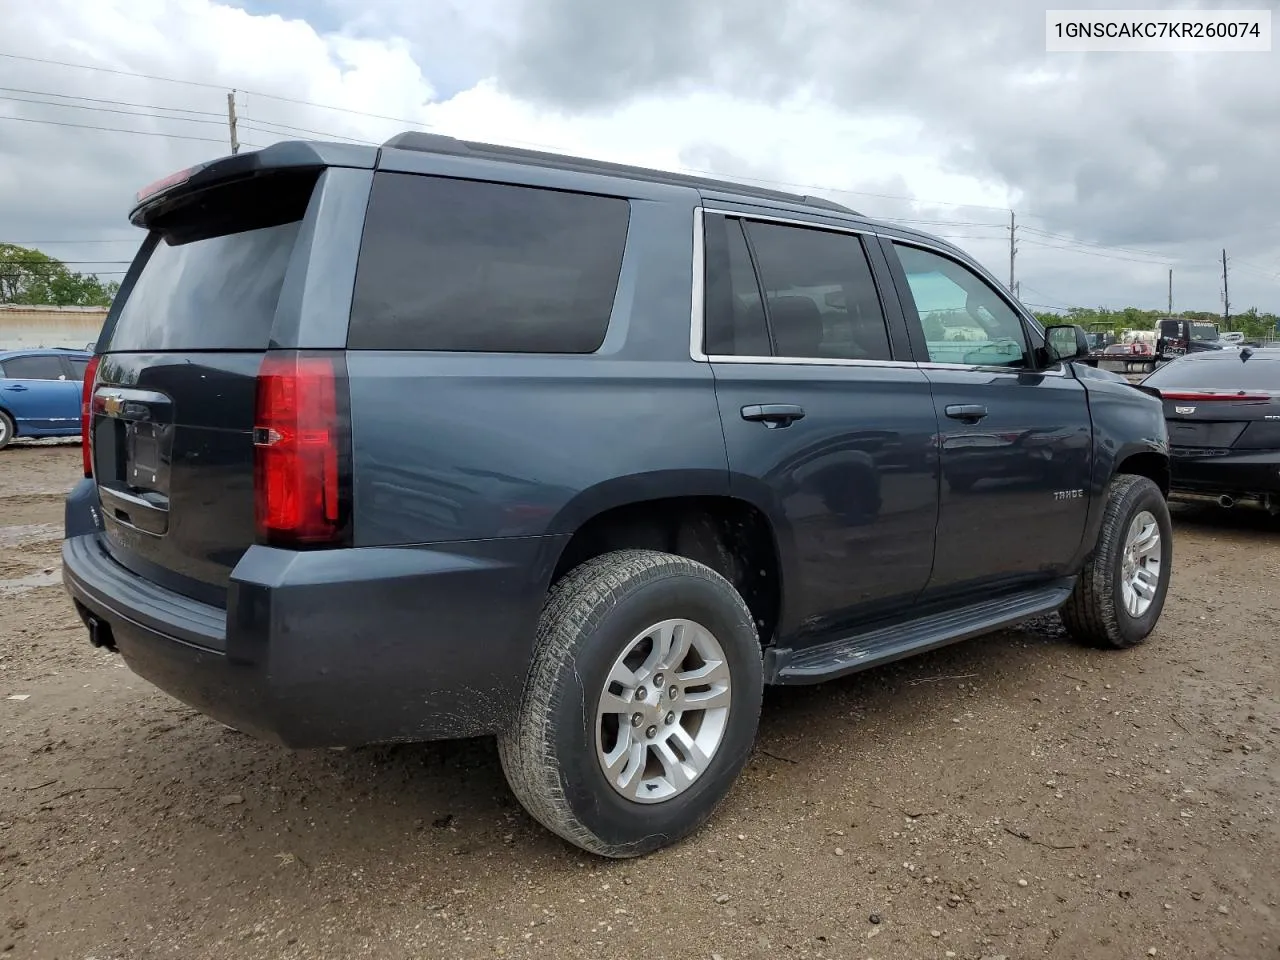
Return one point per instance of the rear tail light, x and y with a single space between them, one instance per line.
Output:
302 450
1206 396
86 413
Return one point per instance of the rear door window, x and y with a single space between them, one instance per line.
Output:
820 295
78 368
734 310
458 265
34 368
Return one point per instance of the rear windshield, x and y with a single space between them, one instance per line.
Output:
1226 372
214 277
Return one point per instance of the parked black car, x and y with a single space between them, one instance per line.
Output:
1223 413
444 439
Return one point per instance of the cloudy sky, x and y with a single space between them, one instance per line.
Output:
944 113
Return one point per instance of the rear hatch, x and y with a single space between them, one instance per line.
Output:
172 413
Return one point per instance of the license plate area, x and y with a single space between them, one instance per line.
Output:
145 467
133 442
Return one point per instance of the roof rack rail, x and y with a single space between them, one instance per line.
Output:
438 143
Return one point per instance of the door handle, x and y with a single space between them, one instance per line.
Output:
17 387
773 415
968 412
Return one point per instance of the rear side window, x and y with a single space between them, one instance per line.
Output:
457 265
78 368
33 368
819 293
735 324
213 280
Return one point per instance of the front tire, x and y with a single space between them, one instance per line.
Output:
605 752
1122 589
7 430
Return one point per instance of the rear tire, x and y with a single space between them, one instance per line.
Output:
1123 586
7 430
617 768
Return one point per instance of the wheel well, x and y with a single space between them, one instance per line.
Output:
1153 466
730 536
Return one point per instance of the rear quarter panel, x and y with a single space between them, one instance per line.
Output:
451 447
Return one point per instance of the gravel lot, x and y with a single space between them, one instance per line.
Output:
1014 796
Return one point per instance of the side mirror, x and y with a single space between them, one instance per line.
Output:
1066 342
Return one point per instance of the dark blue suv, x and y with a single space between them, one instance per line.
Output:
444 439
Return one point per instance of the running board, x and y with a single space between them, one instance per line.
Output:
860 651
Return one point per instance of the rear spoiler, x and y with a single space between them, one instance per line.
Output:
163 194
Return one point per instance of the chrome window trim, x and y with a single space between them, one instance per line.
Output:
792 221
815 361
697 318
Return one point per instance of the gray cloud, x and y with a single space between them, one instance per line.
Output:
1171 151
1163 155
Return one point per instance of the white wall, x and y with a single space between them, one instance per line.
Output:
22 327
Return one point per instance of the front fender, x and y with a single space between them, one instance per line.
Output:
1127 423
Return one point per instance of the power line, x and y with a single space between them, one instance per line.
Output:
141 133
252 123
1092 243
213 86
1063 305
427 126
126 113
118 103
1096 253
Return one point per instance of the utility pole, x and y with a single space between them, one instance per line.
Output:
1013 249
231 121
1226 296
1171 291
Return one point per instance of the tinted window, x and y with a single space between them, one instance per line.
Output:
78 368
1225 372
1204 331
734 311
822 301
33 368
214 278
460 265
964 319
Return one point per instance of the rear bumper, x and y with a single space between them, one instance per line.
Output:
1242 474
333 648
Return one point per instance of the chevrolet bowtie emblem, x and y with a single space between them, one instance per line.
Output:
112 405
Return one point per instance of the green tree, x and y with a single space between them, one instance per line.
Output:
33 278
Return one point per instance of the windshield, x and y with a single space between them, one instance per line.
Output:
1225 372
1204 331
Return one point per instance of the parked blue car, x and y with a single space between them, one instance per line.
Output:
40 393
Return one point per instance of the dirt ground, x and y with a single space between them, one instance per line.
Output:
1014 796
